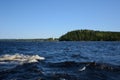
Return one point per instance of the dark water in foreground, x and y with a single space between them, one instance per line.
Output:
63 61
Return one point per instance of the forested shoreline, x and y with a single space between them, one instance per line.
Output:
29 40
90 35
77 35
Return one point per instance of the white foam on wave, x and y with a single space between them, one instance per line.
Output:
20 58
82 69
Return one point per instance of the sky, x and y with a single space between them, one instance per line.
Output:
24 19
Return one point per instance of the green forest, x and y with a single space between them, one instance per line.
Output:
90 35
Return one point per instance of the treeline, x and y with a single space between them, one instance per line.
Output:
30 40
90 35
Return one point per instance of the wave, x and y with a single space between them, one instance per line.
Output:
67 70
19 58
81 66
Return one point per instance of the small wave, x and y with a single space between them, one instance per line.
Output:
81 66
82 69
20 58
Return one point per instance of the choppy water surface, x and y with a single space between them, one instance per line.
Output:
59 60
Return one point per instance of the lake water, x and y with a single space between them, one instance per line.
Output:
60 60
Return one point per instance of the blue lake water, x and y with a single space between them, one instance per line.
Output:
87 60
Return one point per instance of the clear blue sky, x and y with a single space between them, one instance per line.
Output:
52 18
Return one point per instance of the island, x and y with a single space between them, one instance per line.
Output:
90 35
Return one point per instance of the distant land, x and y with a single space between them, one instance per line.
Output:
30 40
78 35
90 35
